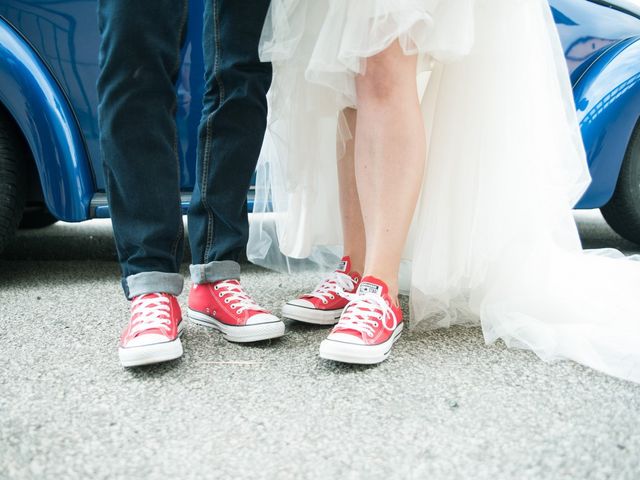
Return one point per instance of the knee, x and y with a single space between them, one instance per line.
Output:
386 76
383 81
376 85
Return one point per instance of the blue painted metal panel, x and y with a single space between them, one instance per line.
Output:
32 96
587 29
608 104
593 34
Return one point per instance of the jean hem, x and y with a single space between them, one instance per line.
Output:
215 271
154 282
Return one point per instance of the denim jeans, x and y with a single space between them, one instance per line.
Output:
139 63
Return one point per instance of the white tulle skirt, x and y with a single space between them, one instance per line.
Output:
493 241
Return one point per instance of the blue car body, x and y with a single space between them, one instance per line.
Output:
49 66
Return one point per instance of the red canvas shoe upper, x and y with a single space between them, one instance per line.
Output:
328 295
371 316
155 318
228 303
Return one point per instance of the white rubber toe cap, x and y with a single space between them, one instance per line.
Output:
301 302
145 340
345 338
261 318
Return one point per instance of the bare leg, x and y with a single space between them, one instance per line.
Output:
352 224
390 150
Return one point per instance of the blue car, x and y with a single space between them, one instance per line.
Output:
50 165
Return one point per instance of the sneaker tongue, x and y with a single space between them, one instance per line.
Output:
373 285
345 265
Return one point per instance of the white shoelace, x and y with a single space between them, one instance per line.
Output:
234 293
336 283
150 311
364 311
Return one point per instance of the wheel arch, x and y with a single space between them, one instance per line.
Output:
42 112
607 98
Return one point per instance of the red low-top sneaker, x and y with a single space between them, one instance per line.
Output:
225 306
154 330
324 305
369 326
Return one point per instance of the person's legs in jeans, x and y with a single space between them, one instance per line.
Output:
230 138
139 64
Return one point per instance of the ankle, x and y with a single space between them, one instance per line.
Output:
357 262
390 280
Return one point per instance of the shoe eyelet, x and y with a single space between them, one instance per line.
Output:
216 287
220 295
375 324
332 297
324 302
234 306
370 335
226 300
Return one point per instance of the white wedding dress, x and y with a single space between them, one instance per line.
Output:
493 241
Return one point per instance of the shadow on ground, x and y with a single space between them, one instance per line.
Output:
93 240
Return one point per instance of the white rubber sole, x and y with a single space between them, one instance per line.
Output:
154 353
240 334
311 315
360 354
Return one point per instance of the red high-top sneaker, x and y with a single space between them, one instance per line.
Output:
368 327
324 305
225 306
154 330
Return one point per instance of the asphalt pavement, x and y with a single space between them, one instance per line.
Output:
444 406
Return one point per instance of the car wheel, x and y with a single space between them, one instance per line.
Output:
622 212
13 175
36 216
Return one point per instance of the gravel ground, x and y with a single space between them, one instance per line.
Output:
444 406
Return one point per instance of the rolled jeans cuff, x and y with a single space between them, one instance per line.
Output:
215 271
154 282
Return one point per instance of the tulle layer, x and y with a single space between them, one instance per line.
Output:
493 239
330 40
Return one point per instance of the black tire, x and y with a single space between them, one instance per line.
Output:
36 216
13 178
622 212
